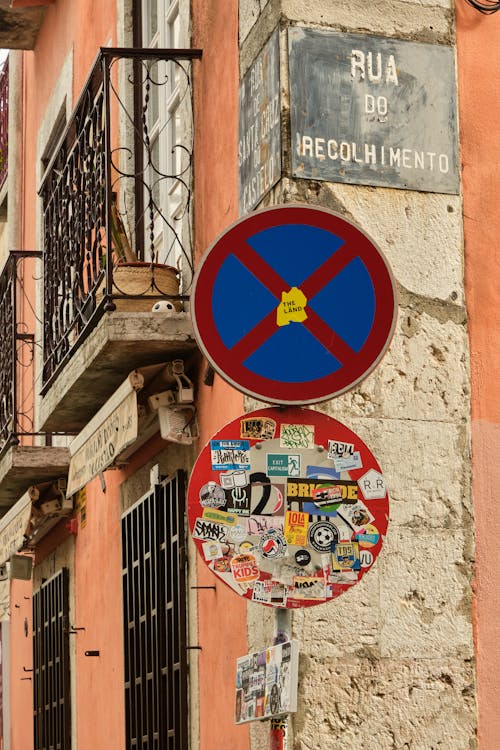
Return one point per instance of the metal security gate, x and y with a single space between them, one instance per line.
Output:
51 670
154 618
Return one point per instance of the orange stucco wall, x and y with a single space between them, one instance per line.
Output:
478 48
221 614
98 608
21 655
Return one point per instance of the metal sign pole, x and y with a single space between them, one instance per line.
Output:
279 726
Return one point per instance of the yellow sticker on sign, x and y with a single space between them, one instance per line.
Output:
296 525
291 309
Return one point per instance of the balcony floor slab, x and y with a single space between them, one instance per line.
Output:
19 26
121 342
21 466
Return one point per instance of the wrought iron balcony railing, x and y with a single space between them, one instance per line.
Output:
4 120
17 343
116 198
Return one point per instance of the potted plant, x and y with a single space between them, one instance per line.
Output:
132 276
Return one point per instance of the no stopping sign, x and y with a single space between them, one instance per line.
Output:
294 305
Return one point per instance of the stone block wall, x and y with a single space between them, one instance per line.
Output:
390 664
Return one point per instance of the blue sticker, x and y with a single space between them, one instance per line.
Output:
230 454
321 472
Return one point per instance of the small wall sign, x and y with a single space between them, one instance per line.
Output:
371 110
259 127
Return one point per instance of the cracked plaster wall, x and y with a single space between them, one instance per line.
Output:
390 664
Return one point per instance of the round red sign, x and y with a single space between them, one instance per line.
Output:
294 305
288 507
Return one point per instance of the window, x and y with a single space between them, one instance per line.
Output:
55 134
154 619
51 672
167 109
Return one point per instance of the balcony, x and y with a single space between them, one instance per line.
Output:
22 463
4 121
20 22
117 255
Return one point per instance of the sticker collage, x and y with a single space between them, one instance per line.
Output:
266 682
288 507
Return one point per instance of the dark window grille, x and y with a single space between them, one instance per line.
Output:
51 671
154 616
16 350
4 120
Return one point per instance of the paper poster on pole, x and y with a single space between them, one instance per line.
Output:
266 683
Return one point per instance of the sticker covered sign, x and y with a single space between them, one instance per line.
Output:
290 516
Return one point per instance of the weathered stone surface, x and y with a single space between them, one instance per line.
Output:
23 465
423 464
425 594
413 230
349 625
249 13
389 664
414 603
19 26
421 20
447 4
389 704
119 343
261 622
424 374
388 17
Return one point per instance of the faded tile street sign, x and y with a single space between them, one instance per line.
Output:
373 111
259 133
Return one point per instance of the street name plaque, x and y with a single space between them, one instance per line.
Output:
372 110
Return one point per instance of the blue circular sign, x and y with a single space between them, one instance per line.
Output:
294 305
